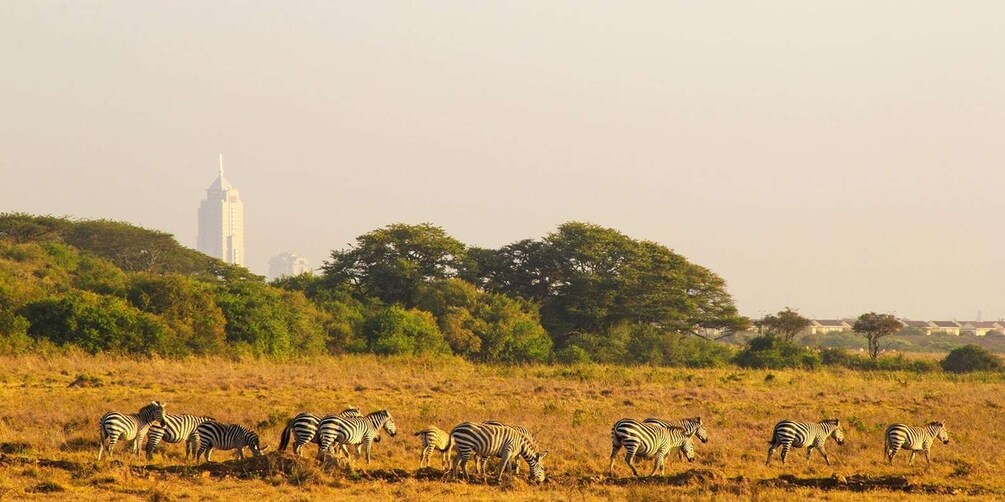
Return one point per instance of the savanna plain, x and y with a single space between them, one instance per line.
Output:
50 406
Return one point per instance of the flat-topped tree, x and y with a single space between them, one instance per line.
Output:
874 326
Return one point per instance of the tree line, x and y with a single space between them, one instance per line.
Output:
583 293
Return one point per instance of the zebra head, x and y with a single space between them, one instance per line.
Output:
382 419
536 469
833 426
939 431
153 413
688 449
252 441
694 426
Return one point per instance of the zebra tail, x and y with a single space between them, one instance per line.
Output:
419 433
284 438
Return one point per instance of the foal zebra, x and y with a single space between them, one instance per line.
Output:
210 435
434 438
305 428
345 431
692 427
174 429
648 440
789 434
914 439
114 426
471 439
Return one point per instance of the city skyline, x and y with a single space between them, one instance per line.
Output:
221 221
833 157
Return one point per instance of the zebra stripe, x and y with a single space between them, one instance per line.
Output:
494 441
434 439
693 427
789 434
114 426
210 435
344 431
174 429
479 468
914 439
648 440
304 427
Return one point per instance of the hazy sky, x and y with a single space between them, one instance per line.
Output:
835 157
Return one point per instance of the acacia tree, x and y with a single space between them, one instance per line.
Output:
787 324
874 326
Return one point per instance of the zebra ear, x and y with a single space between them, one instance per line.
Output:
542 454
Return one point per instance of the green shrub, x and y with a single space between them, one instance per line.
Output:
971 358
772 352
572 355
839 357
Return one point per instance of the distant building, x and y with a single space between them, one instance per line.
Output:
982 328
221 222
287 264
820 326
925 327
946 328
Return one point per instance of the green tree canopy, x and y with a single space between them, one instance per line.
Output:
787 324
392 262
875 326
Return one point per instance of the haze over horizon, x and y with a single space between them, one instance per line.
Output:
834 157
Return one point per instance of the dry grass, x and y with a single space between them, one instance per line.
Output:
48 431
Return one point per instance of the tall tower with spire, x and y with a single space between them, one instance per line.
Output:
221 222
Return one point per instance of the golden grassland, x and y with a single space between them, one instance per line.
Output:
48 428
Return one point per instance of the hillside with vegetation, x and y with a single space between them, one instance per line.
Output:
581 293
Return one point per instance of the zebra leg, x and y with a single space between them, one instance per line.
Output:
630 459
785 451
614 453
506 456
656 464
928 458
771 450
823 452
240 453
911 461
209 451
809 451
892 452
369 443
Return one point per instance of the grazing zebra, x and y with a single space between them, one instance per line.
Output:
345 431
210 435
692 427
434 438
479 468
648 440
114 426
305 428
914 439
174 429
494 441
789 434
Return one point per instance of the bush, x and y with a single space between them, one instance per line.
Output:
838 357
572 355
395 330
971 358
772 352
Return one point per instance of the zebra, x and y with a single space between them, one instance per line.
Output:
212 434
914 439
434 438
174 429
494 441
345 431
305 428
648 440
114 426
789 434
480 467
692 426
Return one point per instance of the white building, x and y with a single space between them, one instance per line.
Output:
221 222
287 263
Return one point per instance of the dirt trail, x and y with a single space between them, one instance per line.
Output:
300 471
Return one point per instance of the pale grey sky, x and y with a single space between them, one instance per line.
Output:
836 157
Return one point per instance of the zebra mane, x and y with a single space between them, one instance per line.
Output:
378 418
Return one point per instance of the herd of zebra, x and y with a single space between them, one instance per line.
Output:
651 438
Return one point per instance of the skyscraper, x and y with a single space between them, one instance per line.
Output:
221 222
